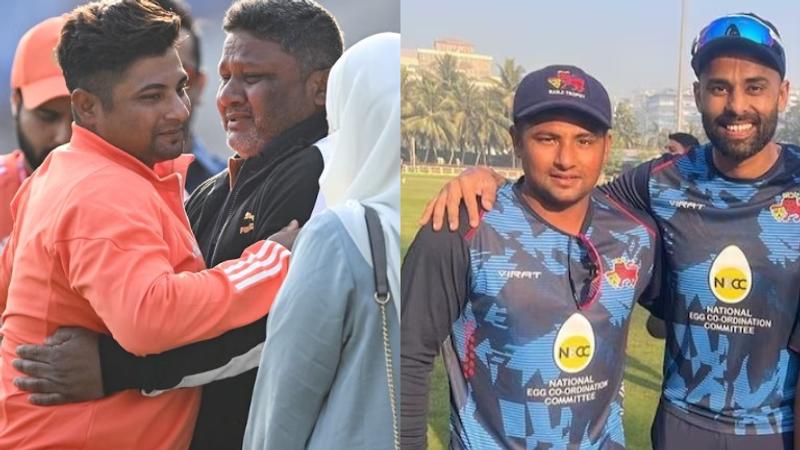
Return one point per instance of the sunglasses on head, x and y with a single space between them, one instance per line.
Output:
742 26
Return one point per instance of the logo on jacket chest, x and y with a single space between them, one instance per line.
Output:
248 223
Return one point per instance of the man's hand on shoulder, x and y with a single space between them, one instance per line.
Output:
471 184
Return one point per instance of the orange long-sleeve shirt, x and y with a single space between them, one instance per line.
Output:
102 241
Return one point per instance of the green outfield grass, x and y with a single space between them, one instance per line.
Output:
642 374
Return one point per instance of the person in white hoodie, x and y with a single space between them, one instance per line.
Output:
325 372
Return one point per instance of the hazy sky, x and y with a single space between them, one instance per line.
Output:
628 45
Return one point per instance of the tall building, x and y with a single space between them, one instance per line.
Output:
475 65
657 110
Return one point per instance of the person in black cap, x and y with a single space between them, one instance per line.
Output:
728 212
533 304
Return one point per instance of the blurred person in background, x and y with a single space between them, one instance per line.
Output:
680 143
41 108
205 164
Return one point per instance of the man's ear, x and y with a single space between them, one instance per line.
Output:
86 108
317 86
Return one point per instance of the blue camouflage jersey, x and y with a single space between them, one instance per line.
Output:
528 367
732 255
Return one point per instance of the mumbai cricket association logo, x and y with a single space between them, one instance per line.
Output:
788 208
623 273
574 346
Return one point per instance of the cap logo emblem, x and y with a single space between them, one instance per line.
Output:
565 83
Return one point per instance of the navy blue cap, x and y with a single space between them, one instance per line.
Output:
739 32
562 87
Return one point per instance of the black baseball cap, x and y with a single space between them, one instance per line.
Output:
562 87
741 32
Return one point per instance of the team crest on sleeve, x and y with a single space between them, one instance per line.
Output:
623 273
574 345
787 209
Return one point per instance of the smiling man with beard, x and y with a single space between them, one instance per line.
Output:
728 212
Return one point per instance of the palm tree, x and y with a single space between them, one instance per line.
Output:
447 72
468 110
407 86
494 125
428 117
511 74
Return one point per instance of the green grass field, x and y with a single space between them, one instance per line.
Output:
642 374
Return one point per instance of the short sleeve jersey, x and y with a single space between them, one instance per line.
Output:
532 361
732 255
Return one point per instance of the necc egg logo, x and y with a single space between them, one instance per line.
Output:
730 277
574 346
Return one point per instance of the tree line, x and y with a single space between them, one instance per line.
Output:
450 118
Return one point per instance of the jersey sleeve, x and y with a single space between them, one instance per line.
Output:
124 272
434 289
631 188
228 355
655 295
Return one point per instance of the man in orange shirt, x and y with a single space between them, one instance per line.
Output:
41 110
101 239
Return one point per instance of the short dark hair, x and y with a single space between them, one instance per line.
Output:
685 139
302 28
100 40
183 11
